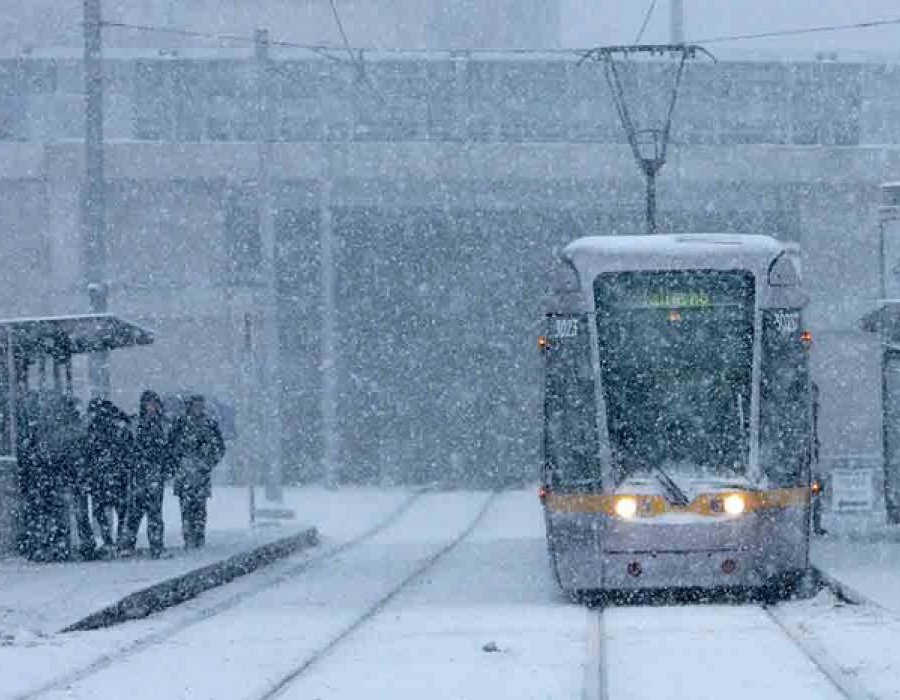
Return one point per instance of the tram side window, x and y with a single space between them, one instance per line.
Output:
785 400
570 435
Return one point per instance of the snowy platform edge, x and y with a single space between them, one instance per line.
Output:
179 589
851 595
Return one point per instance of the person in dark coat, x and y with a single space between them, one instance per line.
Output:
107 452
31 477
80 484
67 453
48 444
198 447
153 464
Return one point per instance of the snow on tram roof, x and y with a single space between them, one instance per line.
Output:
772 263
676 245
594 255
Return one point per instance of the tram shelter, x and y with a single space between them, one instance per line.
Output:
885 321
37 353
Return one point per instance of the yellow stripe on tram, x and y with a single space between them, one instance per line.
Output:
649 506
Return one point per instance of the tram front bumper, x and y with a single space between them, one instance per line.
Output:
694 569
604 553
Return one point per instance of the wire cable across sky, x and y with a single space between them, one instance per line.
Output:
640 34
328 50
796 32
356 58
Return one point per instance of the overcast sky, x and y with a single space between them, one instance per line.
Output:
596 22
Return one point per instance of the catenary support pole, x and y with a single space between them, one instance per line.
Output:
651 202
270 391
93 214
330 437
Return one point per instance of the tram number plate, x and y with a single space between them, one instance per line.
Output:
852 490
565 328
786 322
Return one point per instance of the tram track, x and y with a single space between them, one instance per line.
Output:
207 613
283 685
596 684
804 640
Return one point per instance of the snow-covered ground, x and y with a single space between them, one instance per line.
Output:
484 622
487 622
39 599
708 651
867 559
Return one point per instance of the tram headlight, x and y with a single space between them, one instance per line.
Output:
734 504
626 507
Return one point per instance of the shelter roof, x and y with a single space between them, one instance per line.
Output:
62 336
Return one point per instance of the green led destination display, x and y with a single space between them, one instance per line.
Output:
676 299
675 290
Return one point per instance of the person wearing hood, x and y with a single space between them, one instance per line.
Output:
107 453
49 437
153 464
198 447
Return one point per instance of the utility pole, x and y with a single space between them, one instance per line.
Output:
676 19
329 397
93 209
269 350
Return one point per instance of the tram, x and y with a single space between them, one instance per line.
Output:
678 426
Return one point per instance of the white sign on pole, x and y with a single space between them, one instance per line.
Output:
852 490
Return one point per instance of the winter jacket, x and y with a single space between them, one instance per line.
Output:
107 452
198 447
153 459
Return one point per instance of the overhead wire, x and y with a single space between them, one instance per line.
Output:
795 32
324 49
340 26
321 49
357 59
646 21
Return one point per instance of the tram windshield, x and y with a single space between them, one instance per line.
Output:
676 355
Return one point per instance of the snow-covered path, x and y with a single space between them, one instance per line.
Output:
487 622
454 599
245 651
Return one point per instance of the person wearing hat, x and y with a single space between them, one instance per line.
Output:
198 447
153 464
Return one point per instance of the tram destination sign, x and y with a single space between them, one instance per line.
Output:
674 299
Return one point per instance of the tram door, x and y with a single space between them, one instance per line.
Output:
891 400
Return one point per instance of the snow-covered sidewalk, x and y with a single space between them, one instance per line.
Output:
864 556
41 599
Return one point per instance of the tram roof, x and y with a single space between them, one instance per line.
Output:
72 335
671 251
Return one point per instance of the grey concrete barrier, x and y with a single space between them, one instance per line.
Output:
181 588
